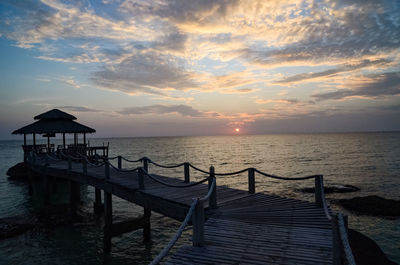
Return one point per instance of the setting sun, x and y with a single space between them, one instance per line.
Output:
237 129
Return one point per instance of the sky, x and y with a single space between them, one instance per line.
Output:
166 68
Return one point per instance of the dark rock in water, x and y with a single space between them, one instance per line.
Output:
366 251
372 205
47 218
337 188
13 226
18 172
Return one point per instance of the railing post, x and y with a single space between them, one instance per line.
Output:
119 162
198 224
146 164
187 172
84 167
107 170
252 181
337 246
213 198
141 178
319 190
34 158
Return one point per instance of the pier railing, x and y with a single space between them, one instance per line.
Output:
341 249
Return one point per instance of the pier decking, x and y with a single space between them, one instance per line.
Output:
243 228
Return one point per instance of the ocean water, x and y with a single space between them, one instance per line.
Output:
370 161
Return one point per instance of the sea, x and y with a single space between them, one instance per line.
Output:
370 161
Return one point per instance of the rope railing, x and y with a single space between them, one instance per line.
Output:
283 178
164 166
342 253
178 234
172 185
210 191
345 241
123 170
131 161
196 212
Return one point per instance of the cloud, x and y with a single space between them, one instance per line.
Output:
146 72
282 101
331 72
78 109
385 84
183 110
69 81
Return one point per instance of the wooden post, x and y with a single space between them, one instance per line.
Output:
24 138
107 222
64 140
74 196
140 178
34 141
98 207
319 190
252 182
119 162
84 139
48 144
187 172
146 164
147 225
337 245
107 170
198 224
213 198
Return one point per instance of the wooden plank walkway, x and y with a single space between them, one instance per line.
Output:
244 229
262 229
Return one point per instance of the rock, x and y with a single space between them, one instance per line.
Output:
13 226
18 172
366 251
336 188
372 205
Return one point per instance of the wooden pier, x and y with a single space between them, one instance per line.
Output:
230 226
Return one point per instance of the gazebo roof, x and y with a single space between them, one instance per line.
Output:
54 121
55 114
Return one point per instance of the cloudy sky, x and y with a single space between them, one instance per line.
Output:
150 68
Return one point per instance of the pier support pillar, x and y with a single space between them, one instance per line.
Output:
147 226
98 206
107 230
75 195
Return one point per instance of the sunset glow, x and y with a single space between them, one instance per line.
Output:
148 68
237 130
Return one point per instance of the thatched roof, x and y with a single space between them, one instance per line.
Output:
54 121
55 114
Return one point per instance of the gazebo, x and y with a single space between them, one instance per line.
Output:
50 123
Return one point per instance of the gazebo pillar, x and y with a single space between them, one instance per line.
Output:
84 138
64 140
34 140
24 139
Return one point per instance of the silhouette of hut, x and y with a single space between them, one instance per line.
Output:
49 124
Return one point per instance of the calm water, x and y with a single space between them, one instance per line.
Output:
370 161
